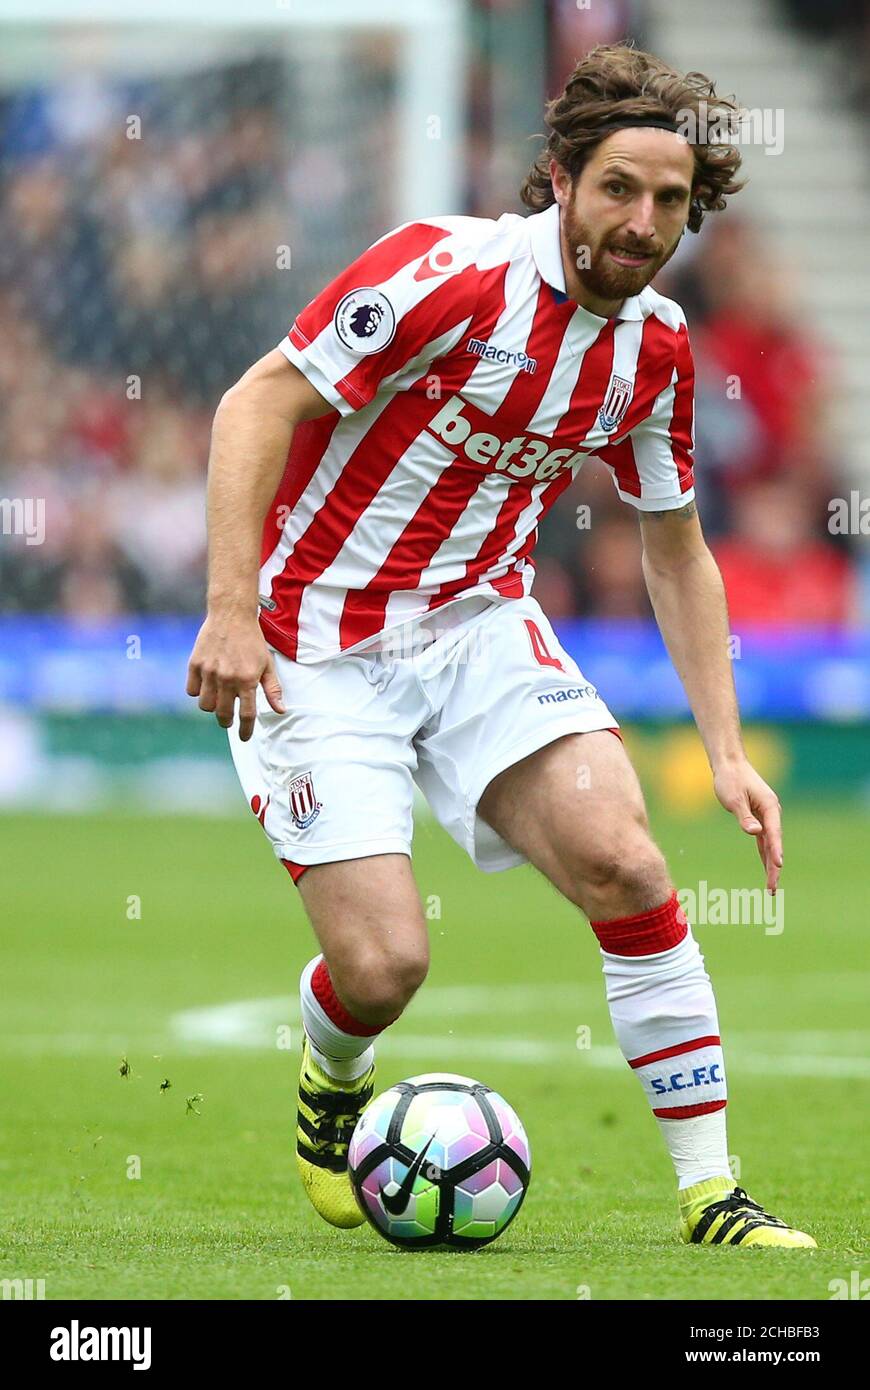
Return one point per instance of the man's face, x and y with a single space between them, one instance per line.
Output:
623 218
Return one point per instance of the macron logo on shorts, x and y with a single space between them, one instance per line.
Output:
571 692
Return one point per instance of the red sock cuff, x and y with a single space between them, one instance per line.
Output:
321 987
646 933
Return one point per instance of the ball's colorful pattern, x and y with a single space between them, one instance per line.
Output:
439 1160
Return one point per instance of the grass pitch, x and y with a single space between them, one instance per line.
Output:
169 949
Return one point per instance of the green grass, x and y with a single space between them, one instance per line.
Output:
217 1212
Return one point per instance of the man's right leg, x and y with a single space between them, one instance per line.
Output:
330 782
368 919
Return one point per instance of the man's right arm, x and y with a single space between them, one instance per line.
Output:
397 304
251 436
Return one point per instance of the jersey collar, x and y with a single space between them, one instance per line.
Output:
547 255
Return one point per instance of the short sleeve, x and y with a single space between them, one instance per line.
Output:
653 467
406 298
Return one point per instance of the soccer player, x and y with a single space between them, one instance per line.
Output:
376 484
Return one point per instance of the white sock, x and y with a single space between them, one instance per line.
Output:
343 1056
698 1148
342 1068
664 1016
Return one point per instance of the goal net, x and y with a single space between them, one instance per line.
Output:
177 179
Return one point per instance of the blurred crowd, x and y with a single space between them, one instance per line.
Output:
842 27
147 239
139 277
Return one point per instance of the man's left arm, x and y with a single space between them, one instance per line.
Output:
688 599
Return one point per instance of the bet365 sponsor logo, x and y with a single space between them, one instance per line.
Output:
524 456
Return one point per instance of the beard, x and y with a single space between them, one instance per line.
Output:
602 276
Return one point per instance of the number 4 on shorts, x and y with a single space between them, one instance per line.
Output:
539 646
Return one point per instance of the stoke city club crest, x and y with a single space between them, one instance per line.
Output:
616 402
304 806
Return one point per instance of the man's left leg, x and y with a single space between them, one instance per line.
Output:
575 810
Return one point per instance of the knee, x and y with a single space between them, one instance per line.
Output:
382 982
622 876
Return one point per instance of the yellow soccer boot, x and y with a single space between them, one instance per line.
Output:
325 1120
717 1212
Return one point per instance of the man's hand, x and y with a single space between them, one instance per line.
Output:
757 807
229 660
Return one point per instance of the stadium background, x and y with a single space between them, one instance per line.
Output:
173 189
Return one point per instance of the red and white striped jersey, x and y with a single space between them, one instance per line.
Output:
468 390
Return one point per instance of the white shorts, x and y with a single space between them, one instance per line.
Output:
334 777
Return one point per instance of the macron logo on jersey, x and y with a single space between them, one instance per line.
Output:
490 353
536 460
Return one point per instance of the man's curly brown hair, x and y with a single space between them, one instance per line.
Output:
616 80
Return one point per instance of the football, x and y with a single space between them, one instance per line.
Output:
439 1160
